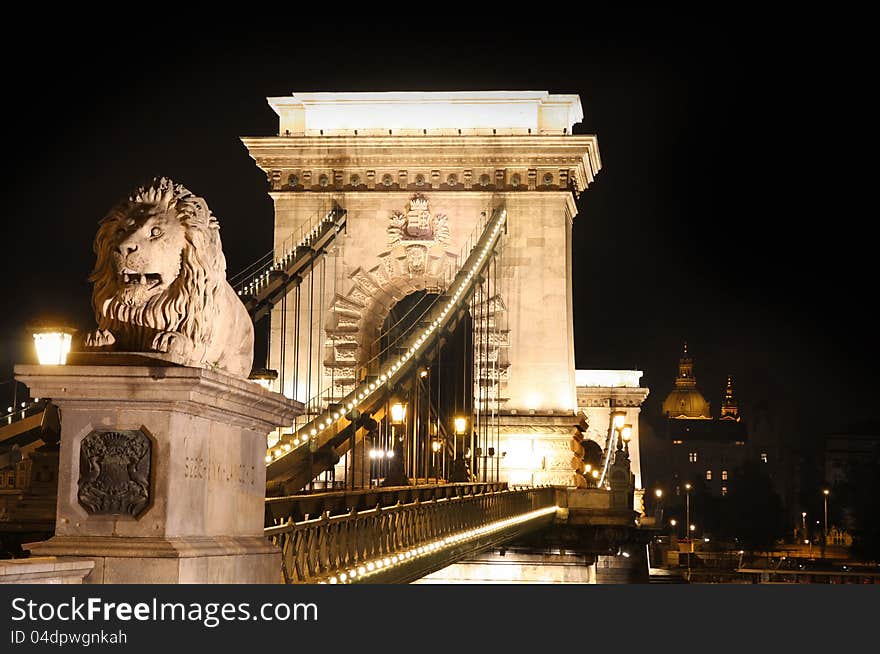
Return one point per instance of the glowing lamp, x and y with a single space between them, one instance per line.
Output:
264 377
626 433
673 522
460 424
435 446
658 493
617 419
398 413
52 342
595 474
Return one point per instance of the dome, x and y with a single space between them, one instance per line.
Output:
686 403
685 400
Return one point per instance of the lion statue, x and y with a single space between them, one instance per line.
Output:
160 283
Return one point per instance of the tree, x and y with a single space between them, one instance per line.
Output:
752 510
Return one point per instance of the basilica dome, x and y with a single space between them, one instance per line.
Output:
685 400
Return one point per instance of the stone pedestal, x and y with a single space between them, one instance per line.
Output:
162 472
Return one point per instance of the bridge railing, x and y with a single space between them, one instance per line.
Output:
352 546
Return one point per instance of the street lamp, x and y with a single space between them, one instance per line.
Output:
264 377
52 341
626 436
659 510
804 522
398 413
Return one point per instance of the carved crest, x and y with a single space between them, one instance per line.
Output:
114 472
417 224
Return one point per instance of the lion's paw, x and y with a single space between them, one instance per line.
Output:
99 338
173 343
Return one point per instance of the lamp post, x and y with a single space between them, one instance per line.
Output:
825 493
687 519
396 469
659 512
804 522
459 472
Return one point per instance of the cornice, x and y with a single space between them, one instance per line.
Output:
425 153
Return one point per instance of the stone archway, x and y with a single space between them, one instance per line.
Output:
417 259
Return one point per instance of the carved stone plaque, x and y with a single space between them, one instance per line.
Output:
114 472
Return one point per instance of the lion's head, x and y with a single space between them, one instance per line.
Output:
160 266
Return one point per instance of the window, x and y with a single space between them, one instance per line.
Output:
708 475
763 457
692 457
724 490
724 475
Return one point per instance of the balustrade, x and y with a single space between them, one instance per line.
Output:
319 549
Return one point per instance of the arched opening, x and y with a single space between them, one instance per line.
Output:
439 390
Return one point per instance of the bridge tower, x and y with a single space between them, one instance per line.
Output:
414 171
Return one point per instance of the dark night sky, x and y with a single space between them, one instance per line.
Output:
710 220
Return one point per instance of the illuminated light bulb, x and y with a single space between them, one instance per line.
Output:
314 432
386 561
394 559
277 452
408 555
361 570
295 442
333 580
379 564
286 447
352 573
268 459
305 437
382 378
343 577
335 416
372 386
371 566
350 406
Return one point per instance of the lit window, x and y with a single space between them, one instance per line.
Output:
724 490
692 457
708 475
724 475
763 457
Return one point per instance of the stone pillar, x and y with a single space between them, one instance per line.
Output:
162 474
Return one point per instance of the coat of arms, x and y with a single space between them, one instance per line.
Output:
418 225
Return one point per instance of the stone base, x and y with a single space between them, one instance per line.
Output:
623 570
45 570
216 560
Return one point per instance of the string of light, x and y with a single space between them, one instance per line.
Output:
368 568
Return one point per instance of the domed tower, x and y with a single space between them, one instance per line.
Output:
729 405
685 401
